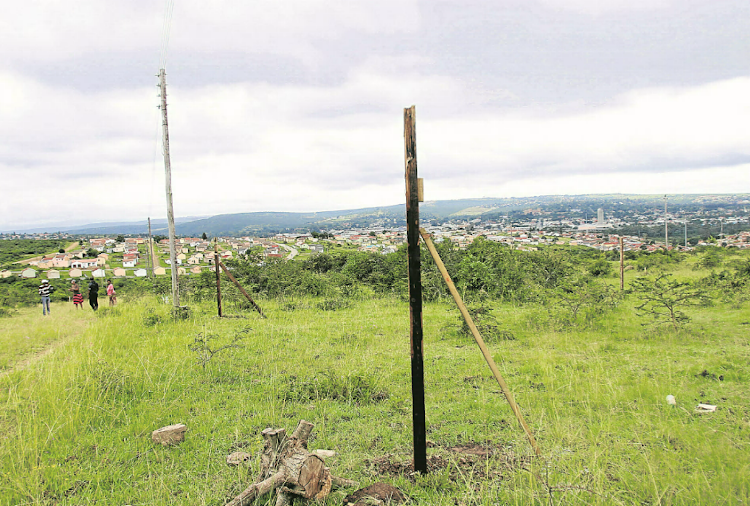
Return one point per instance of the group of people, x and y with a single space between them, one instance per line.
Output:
92 293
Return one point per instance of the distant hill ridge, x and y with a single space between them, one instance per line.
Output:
267 222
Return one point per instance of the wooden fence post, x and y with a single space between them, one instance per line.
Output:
218 277
622 265
415 291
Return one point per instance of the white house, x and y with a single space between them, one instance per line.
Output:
28 273
141 273
129 263
53 274
99 273
84 263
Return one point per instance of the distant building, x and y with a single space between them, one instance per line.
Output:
99 273
119 272
75 273
53 274
141 273
600 215
28 273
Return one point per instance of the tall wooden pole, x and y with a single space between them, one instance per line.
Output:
415 291
218 275
622 264
168 175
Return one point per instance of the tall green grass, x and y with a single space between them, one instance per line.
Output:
75 427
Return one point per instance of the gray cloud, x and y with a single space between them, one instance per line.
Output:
298 104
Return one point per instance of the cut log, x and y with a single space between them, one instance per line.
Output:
169 435
287 466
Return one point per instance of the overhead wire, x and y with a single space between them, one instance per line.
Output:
163 50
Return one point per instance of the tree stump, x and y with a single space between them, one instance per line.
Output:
287 466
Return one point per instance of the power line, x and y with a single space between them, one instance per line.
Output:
166 30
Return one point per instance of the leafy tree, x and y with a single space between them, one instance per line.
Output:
92 253
204 236
663 298
584 298
599 267
61 250
120 238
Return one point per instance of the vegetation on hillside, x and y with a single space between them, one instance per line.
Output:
21 249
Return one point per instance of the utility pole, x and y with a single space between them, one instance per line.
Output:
666 229
168 175
415 291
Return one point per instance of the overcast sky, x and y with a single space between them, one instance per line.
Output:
298 105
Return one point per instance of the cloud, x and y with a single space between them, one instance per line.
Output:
254 146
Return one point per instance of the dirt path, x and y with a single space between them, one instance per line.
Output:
67 248
29 337
36 357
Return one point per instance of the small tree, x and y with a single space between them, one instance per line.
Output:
204 236
662 299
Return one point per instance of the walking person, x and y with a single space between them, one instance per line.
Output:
44 291
111 293
94 294
77 295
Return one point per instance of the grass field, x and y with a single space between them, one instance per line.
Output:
75 425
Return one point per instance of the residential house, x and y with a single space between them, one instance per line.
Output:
141 273
28 273
53 274
99 273
193 260
160 271
181 271
75 273
130 262
196 269
61 260
5 274
119 272
45 263
84 263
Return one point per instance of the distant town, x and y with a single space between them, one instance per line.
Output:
128 256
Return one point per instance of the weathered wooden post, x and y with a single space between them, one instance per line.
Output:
218 276
415 290
622 265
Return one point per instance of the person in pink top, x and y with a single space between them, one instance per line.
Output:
111 293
